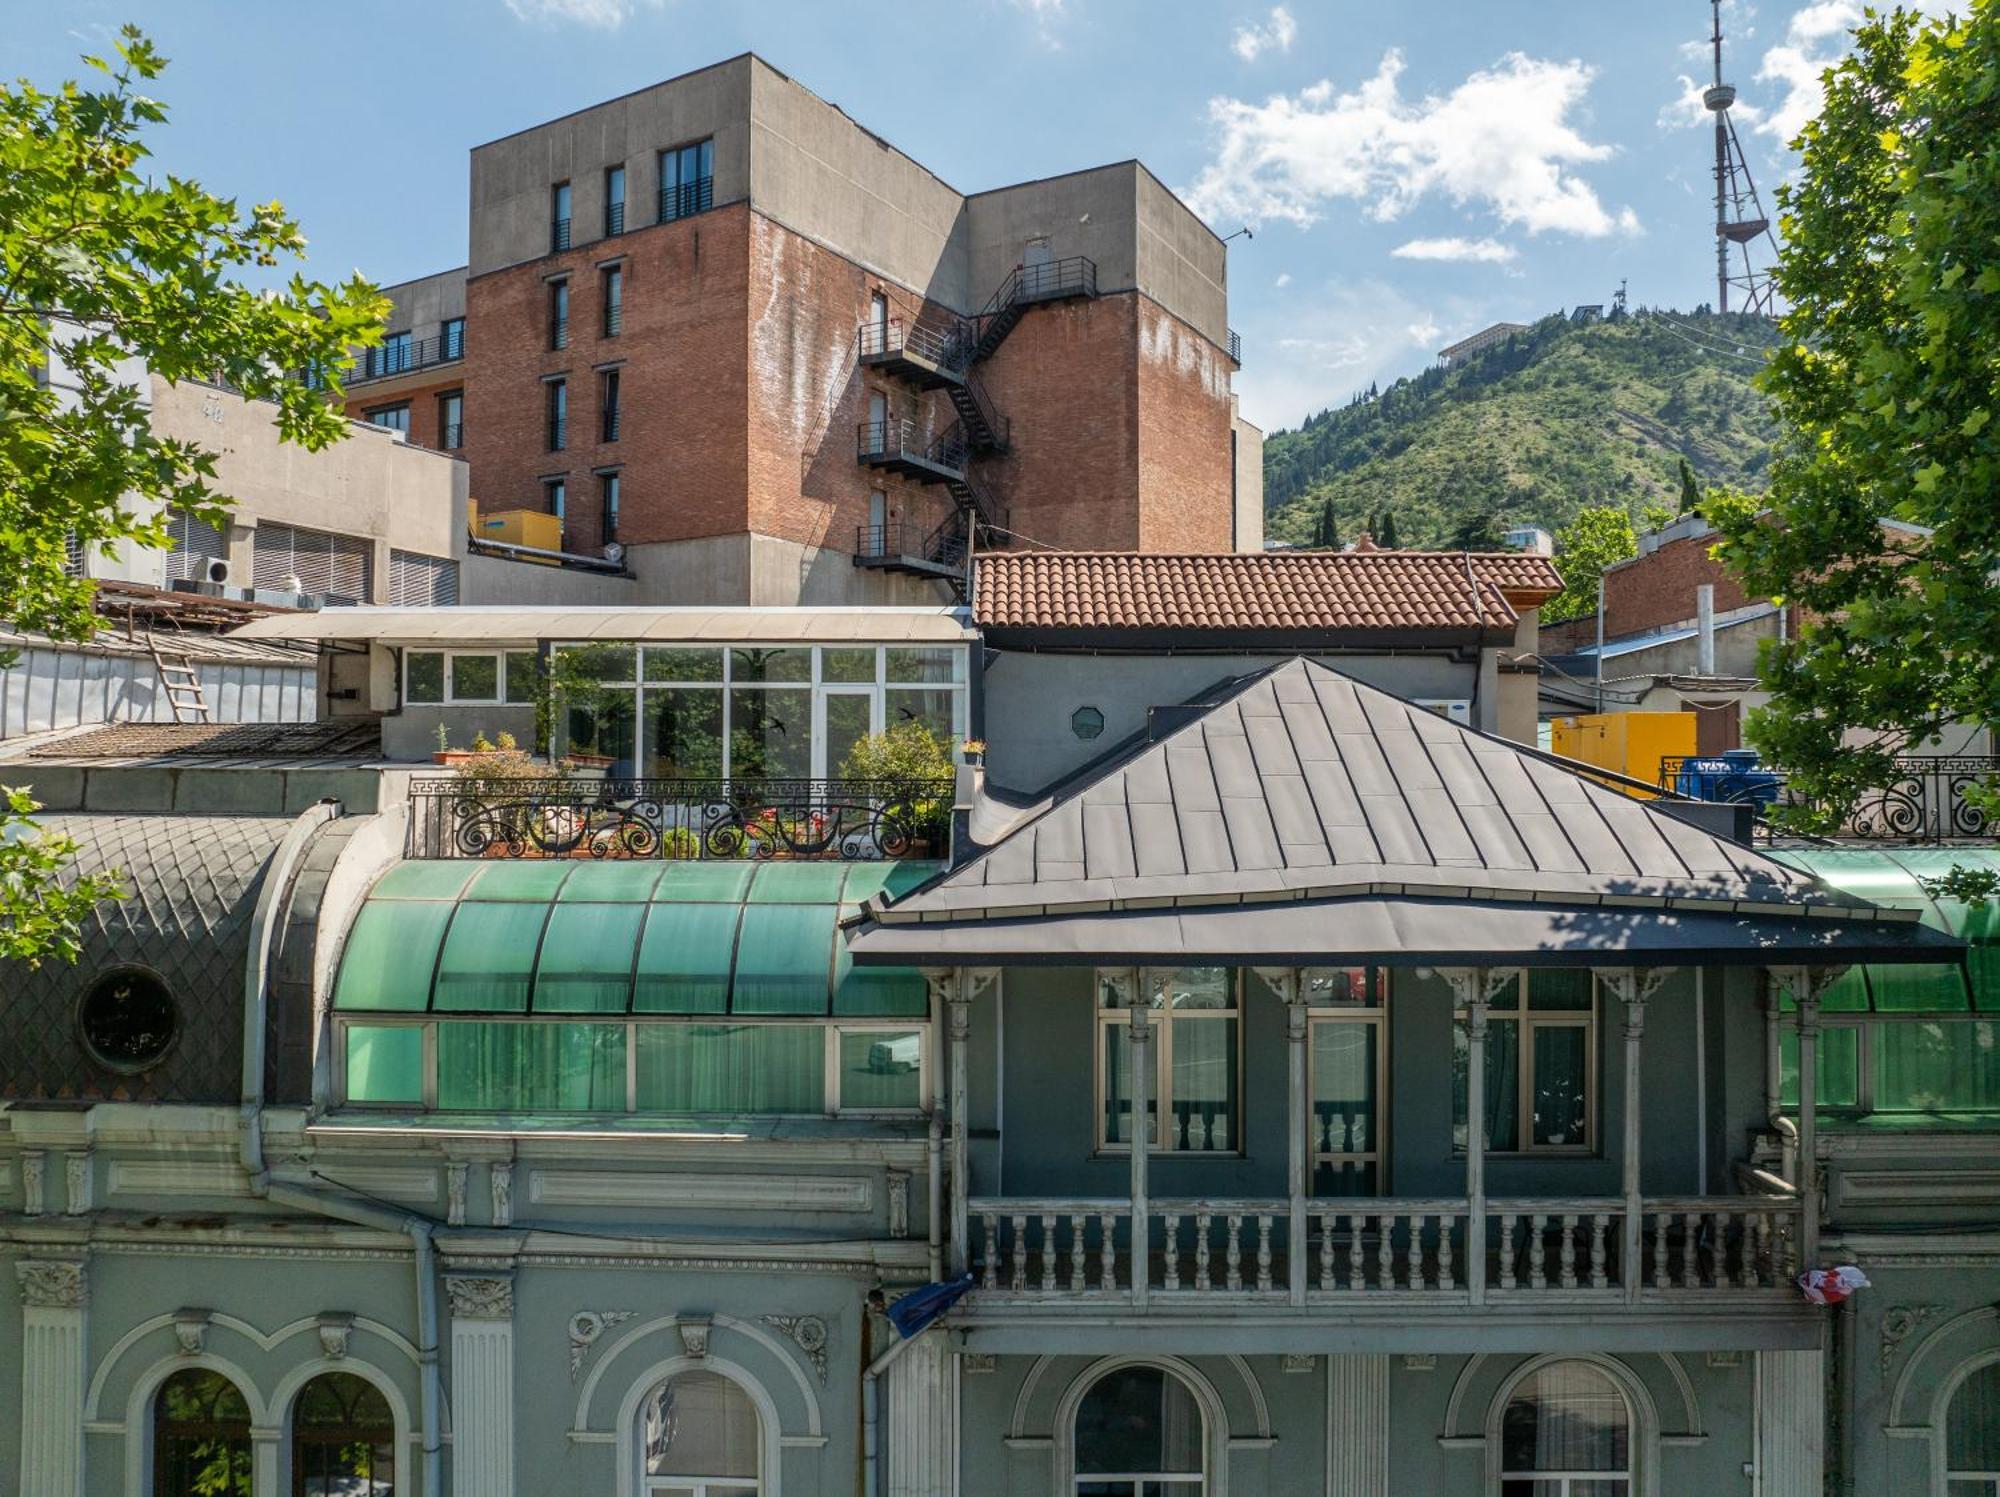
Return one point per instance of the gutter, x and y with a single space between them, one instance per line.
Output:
306 1194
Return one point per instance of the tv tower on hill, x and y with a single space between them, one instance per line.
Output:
1740 219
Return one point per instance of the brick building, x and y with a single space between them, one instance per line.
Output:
775 360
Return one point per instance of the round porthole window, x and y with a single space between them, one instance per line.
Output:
1086 722
128 1018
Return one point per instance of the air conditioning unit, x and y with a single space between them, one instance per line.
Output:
215 570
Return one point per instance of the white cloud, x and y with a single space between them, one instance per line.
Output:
1688 111
1479 251
1276 35
1284 279
1425 332
1047 14
1815 39
607 15
1501 139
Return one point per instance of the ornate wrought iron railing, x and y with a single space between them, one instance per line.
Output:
463 816
1923 800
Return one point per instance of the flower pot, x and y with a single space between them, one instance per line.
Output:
453 757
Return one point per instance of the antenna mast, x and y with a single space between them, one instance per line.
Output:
1740 219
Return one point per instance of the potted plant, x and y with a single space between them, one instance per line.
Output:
446 754
911 778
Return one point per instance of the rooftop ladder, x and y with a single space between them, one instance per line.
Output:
180 679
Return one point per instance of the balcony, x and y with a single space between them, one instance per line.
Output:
614 219
687 199
929 356
1235 348
1924 800
918 550
679 819
558 234
406 356
905 449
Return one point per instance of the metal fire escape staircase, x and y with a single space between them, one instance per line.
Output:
941 351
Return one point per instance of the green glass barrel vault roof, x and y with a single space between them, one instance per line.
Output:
1894 879
555 937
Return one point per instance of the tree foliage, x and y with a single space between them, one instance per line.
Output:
99 266
1595 539
1886 384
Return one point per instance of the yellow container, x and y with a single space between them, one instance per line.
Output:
521 527
1632 743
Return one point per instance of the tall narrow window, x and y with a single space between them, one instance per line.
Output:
558 414
1196 1015
1139 1434
1541 1060
451 338
1347 1014
559 217
559 314
555 495
614 301
201 1437
686 180
1566 1432
395 354
343 1439
614 201
608 401
875 337
1972 1435
451 420
609 505
699 1436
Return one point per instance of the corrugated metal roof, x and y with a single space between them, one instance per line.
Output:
503 625
332 738
1307 784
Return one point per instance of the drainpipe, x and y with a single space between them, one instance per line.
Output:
307 1196
934 1196
874 1468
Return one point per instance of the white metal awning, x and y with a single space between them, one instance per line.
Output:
503 625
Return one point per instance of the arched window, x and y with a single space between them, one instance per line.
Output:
1566 1432
1972 1435
1139 1434
699 1437
201 1437
343 1439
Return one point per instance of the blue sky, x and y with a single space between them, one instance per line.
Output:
1413 169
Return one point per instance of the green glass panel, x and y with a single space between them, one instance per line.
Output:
721 882
881 1070
924 664
1503 1080
424 677
735 1068
770 732
1839 1061
613 882
885 992
785 663
1862 872
524 676
560 1067
489 959
1560 988
676 664
475 678
685 958
424 878
798 883
389 955
784 959
598 662
1344 1073
892 878
536 879
1204 1085
847 665
385 1063
1561 1084
1925 988
1946 1067
586 960
683 732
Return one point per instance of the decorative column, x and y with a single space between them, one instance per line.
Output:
1357 1404
1298 1157
482 1383
948 986
1806 984
1472 988
1633 986
1791 1423
1142 1091
54 1296
921 1392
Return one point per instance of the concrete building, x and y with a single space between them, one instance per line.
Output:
1485 338
720 325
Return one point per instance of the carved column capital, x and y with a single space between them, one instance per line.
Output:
1806 986
1472 987
53 1283
191 1330
1634 987
480 1296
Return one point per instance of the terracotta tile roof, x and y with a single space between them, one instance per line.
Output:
1317 590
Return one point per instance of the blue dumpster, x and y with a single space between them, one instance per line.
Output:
1736 776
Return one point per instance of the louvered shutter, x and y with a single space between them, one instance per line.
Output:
419 581
333 567
195 544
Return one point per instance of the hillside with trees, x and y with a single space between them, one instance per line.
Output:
1559 418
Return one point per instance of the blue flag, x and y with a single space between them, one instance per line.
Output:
917 1309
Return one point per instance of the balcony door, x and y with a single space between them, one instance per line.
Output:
844 715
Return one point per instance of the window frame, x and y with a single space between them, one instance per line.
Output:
610 501
614 202
558 313
1375 1014
1944 1473
1214 1426
1641 1428
451 433
297 1435
1867 1024
556 414
451 339
648 1485
499 654
1161 1096
611 296
1529 1019
396 408
610 405
831 1027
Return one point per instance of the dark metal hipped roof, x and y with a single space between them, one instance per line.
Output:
1310 791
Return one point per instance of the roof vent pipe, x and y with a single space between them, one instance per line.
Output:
1704 629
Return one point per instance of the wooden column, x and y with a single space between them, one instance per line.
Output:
1142 1091
1806 984
1472 989
1632 986
1298 1159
